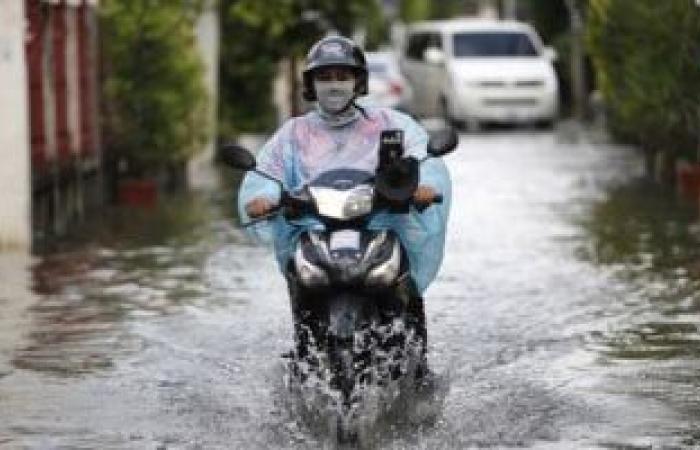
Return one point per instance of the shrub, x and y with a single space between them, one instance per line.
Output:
647 59
256 36
155 101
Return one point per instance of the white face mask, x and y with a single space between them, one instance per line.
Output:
334 96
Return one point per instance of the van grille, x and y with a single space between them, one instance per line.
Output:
529 83
492 83
510 101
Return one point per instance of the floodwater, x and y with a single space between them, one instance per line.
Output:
565 316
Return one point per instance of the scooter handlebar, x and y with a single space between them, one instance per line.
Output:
294 206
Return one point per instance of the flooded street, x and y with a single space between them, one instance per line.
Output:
565 315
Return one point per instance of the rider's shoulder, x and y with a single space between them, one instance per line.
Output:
392 116
292 125
297 128
306 120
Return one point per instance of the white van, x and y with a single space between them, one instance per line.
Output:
475 70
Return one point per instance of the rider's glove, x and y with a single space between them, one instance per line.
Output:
259 207
424 195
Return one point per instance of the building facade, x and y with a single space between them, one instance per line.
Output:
48 115
62 69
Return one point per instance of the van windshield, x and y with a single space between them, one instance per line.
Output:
493 44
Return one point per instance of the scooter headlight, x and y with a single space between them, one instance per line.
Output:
359 204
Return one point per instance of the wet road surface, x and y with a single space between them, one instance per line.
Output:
565 316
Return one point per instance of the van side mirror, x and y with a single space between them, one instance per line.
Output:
434 56
549 53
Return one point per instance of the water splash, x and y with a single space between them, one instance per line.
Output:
385 397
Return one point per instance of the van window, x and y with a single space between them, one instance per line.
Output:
493 44
434 41
417 43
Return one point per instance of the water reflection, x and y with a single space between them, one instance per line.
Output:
644 227
127 263
649 241
15 297
172 320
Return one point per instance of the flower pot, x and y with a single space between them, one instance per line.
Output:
140 193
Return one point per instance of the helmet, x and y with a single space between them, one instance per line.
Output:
334 51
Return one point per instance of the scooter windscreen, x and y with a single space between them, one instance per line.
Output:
343 194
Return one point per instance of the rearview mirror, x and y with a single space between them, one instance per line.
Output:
233 155
442 142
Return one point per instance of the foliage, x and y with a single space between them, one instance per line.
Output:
155 100
377 26
647 57
552 21
414 10
257 35
550 18
246 71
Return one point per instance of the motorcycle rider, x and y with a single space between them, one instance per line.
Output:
340 133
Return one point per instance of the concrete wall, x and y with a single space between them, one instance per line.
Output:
200 172
15 219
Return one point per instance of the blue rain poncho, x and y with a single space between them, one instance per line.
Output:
306 146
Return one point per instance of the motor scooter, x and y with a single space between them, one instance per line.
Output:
356 321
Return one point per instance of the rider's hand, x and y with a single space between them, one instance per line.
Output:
424 195
258 207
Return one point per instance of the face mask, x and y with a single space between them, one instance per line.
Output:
334 96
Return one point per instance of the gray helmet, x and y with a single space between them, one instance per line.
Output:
334 51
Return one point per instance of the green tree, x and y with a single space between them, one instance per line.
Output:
445 9
550 17
154 95
646 54
247 66
257 36
414 10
